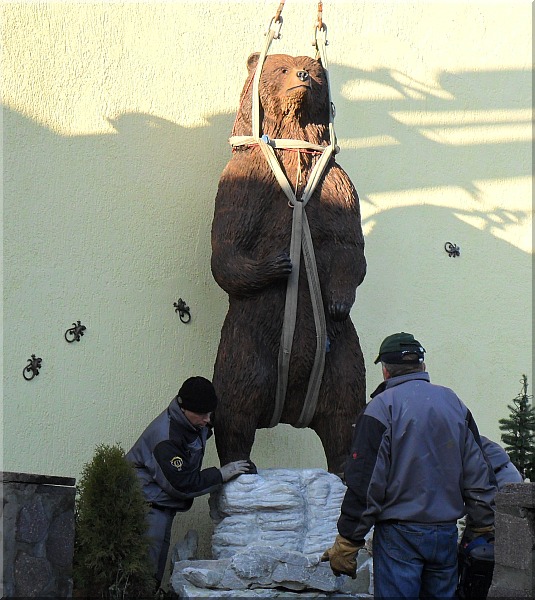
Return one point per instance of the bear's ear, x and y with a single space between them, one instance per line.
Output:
252 61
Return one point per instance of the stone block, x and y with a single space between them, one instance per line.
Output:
270 532
32 576
513 495
515 542
38 535
60 541
294 508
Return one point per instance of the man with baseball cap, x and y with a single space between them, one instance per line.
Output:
168 458
416 466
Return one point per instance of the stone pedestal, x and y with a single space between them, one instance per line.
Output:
515 542
270 531
38 535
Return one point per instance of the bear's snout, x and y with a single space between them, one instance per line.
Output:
298 79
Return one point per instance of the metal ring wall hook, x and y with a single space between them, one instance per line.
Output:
33 366
452 249
75 332
183 310
275 25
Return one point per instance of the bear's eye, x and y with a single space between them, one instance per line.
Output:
284 71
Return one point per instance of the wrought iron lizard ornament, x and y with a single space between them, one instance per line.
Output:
75 332
452 249
183 310
33 366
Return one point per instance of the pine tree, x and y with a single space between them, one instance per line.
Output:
111 546
519 429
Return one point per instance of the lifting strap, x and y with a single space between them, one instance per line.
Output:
301 240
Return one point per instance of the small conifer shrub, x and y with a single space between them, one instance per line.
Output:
111 546
519 429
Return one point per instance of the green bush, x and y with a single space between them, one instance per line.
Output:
111 546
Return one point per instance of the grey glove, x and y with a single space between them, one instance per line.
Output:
233 469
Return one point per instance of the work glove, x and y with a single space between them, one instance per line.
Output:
233 469
474 537
471 533
343 556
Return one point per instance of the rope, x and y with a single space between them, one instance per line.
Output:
301 238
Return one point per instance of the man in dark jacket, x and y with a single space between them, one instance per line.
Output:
504 470
416 466
168 459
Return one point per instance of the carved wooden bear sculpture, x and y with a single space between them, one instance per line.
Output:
251 234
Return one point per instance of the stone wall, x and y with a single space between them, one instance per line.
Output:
515 542
38 535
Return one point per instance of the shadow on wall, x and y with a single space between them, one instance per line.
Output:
463 130
117 196
125 208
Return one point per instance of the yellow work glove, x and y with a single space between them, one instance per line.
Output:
477 531
343 557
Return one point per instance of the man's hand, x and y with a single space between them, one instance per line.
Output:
343 557
233 469
471 533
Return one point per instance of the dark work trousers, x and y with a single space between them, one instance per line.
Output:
160 521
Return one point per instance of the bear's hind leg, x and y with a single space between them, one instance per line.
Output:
234 434
336 442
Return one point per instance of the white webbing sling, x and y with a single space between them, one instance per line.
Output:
301 240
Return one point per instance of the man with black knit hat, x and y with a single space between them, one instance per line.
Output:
168 459
416 466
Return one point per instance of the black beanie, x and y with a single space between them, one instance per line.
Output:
197 394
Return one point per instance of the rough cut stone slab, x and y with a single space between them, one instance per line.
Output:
256 571
259 567
193 593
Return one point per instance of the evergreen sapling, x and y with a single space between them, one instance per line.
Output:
519 431
111 546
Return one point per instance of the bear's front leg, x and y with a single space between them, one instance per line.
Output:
240 275
348 267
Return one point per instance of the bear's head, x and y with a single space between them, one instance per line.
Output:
294 98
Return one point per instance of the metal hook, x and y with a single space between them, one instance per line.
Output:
183 310
275 25
33 366
320 31
452 249
75 332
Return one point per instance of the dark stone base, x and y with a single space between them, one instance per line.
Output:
38 535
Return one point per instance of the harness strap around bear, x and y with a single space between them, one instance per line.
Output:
301 239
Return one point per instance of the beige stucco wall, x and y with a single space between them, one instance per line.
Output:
116 119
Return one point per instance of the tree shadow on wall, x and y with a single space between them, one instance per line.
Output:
413 278
106 201
440 134
144 194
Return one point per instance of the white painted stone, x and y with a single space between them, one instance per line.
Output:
270 532
258 569
294 508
